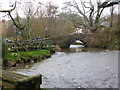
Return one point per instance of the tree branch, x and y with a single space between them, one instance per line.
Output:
10 10
21 28
9 13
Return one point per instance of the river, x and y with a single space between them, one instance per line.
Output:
77 68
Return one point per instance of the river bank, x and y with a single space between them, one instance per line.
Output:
12 59
15 60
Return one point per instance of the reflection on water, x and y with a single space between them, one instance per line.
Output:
81 48
76 46
77 69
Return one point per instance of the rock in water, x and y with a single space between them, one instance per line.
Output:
57 48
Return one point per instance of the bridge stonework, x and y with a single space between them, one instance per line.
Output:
64 41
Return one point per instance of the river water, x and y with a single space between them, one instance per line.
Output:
77 68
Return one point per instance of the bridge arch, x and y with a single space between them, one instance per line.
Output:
65 41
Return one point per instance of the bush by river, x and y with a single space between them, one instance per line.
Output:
107 39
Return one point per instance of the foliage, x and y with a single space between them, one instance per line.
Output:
115 44
104 39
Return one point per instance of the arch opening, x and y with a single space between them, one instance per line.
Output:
77 44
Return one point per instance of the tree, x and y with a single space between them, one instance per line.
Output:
111 13
91 12
29 12
51 14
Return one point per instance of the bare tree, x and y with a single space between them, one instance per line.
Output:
51 14
111 13
28 11
91 12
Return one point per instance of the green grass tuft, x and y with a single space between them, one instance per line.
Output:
15 56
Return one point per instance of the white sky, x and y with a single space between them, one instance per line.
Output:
6 3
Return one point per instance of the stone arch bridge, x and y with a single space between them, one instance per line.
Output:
64 41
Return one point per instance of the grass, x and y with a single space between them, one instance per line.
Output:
15 56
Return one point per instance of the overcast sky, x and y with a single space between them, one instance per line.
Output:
6 3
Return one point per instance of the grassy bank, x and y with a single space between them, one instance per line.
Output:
12 58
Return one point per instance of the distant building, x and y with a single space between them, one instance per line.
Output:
105 24
78 30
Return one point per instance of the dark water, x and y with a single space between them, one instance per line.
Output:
77 68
